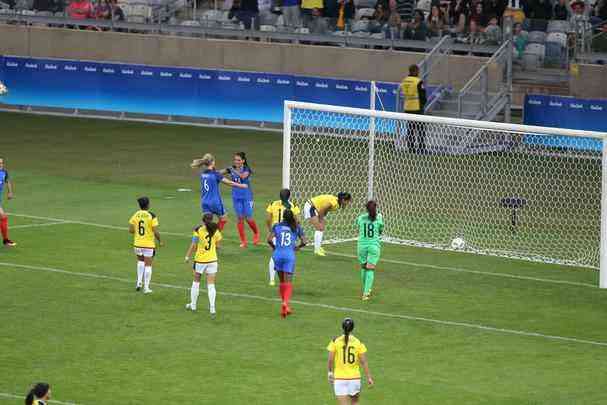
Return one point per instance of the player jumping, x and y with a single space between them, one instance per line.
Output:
346 355
4 180
205 241
210 197
144 226
317 208
275 215
242 198
285 234
370 227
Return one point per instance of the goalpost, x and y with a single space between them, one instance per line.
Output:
517 191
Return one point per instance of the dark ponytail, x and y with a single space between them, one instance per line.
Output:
347 326
207 220
289 218
372 210
37 391
285 195
245 163
343 196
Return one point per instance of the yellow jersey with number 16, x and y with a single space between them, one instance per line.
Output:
347 358
144 223
206 251
277 208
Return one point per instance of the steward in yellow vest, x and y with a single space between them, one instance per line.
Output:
413 91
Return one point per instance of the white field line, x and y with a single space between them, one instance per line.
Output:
399 262
39 225
51 401
468 325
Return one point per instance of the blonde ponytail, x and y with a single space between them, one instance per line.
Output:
204 163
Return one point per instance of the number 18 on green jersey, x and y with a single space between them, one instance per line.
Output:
369 232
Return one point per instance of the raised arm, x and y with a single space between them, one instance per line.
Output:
365 364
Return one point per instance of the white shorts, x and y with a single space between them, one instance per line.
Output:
145 252
309 211
347 387
208 268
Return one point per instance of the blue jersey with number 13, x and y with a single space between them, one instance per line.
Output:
286 239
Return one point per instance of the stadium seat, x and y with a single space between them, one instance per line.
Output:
364 13
138 13
557 37
558 26
536 37
364 3
267 28
267 18
555 55
302 30
533 56
360 26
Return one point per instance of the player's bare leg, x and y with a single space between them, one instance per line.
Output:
194 291
140 271
319 225
212 294
4 229
147 274
354 400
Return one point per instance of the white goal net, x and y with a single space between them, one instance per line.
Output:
517 191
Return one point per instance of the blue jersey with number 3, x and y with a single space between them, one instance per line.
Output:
209 188
286 239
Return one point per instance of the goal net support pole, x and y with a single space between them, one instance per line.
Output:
516 191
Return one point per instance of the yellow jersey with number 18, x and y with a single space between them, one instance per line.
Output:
277 208
206 251
347 359
144 223
326 202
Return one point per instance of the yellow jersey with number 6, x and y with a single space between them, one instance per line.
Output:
144 223
347 359
277 208
206 251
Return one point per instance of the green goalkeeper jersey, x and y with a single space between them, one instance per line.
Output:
369 232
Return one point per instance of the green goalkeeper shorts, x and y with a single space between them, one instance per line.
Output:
369 254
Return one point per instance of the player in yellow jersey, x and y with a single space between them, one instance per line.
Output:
205 241
275 215
39 394
346 355
317 208
144 226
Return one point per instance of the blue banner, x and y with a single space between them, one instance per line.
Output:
176 91
565 112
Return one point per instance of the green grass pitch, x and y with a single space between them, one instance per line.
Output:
444 328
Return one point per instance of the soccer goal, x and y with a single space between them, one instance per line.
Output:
516 191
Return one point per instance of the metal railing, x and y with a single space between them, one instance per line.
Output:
481 79
440 50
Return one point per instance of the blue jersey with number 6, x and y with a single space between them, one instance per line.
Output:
210 197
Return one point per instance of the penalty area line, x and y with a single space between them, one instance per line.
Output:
50 401
441 322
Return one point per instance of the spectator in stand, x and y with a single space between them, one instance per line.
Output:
561 11
380 14
245 11
291 13
519 40
475 36
416 29
514 9
117 13
478 16
495 8
339 13
103 10
52 6
437 22
459 11
538 9
600 12
318 24
493 32
80 10
579 11
307 10
392 28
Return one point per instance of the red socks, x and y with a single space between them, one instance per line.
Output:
4 227
288 292
241 233
253 226
222 223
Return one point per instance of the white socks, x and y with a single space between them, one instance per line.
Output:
147 277
317 240
194 294
271 270
212 294
140 266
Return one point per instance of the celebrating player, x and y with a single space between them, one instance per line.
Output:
210 197
285 234
205 242
242 198
144 226
370 228
4 180
39 394
275 215
317 208
346 355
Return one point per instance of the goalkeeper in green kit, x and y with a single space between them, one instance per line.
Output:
370 228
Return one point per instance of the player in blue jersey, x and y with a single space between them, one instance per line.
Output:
242 198
5 181
283 240
210 197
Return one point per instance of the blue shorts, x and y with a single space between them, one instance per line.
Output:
284 264
243 208
216 209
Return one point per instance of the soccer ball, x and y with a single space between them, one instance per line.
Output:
458 243
3 89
